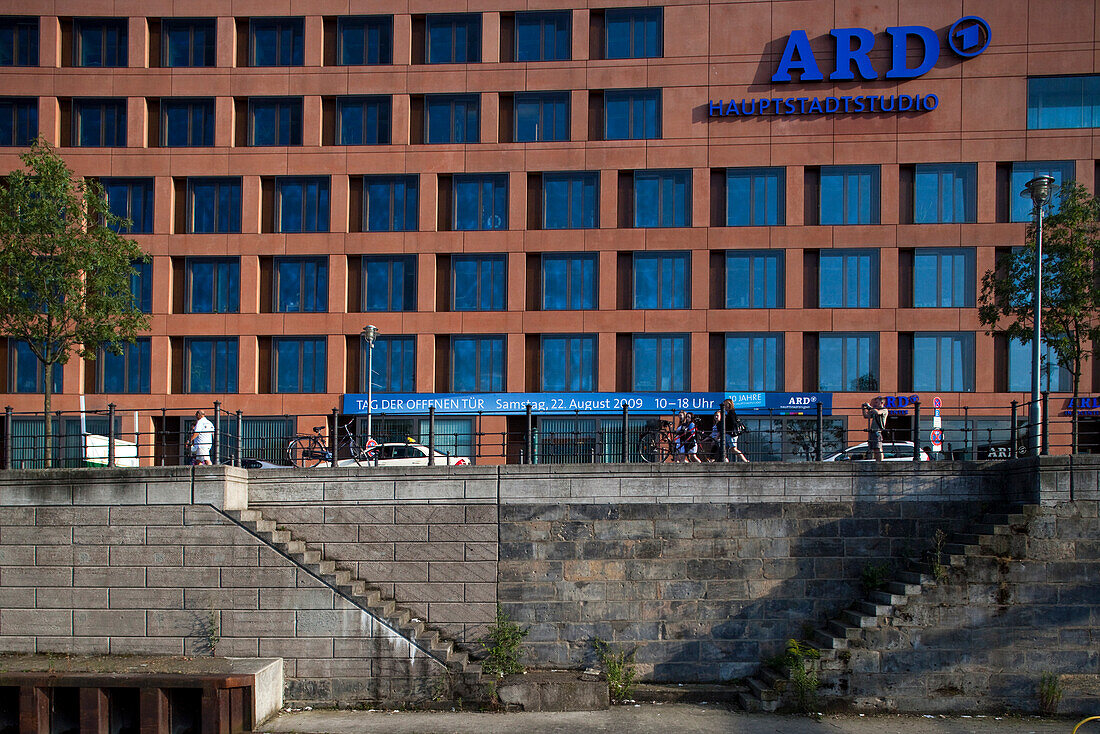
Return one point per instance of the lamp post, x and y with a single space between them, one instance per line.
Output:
370 333
1038 190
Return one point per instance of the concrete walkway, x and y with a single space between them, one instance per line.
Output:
654 719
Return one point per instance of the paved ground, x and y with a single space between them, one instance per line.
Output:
654 719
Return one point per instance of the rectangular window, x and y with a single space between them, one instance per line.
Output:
99 123
390 203
18 121
213 284
847 362
299 365
477 364
542 116
276 41
301 284
660 362
364 40
141 286
124 373
18 41
25 372
943 362
849 195
1053 377
99 42
481 202
662 279
363 120
275 121
945 193
569 282
755 197
187 42
754 362
453 118
211 365
570 200
634 33
389 283
1022 208
543 36
393 364
943 278
569 363
754 279
848 279
1063 102
632 114
187 123
301 204
662 198
454 39
131 198
478 282
214 205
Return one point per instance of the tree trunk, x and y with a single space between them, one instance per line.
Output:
47 398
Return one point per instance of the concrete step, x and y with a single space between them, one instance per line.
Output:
352 588
958 549
823 653
838 628
323 568
885 597
295 547
762 690
276 537
914 577
828 641
338 578
774 679
970 538
858 619
871 609
460 659
261 526
245 515
309 557
899 588
984 528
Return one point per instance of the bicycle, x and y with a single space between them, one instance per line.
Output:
658 444
309 450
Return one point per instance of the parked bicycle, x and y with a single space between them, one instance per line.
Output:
309 450
658 443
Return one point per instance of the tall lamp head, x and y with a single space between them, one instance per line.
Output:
370 333
1038 190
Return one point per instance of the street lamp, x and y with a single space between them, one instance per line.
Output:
370 333
1038 190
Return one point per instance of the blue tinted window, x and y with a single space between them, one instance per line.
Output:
213 285
945 192
389 283
847 363
277 41
754 279
542 116
543 36
365 40
1053 377
390 203
632 114
127 372
850 195
188 42
25 373
660 362
754 362
569 363
99 123
99 42
454 39
301 284
453 118
755 197
569 282
393 364
299 365
131 198
18 41
1023 210
363 121
478 282
943 278
848 279
634 33
18 121
141 286
481 202
275 121
211 365
662 280
943 362
477 364
662 198
1063 102
301 204
187 122
570 200
214 205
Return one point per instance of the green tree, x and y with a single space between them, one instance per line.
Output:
64 269
1070 288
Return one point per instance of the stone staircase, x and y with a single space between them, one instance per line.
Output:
769 688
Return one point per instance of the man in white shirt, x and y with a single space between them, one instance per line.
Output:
202 438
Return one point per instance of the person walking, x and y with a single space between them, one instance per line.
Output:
729 427
689 438
876 416
202 439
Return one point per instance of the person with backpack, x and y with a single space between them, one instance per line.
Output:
876 416
687 438
727 427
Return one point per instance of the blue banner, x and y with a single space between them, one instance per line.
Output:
603 403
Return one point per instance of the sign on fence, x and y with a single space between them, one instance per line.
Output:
97 449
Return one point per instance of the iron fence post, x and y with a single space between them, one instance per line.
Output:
1013 449
966 431
60 441
916 431
529 439
1073 426
431 435
626 421
110 434
819 438
1046 422
239 441
216 458
333 444
7 436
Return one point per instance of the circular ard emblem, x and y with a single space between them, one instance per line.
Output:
969 36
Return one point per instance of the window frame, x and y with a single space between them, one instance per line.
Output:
208 48
204 130
633 17
321 208
963 176
385 45
103 105
319 368
111 58
278 24
1018 360
145 201
23 117
130 372
588 297
543 17
232 303
556 104
1087 116
471 107
19 350
942 383
969 277
25 31
873 290
846 383
499 183
226 380
1021 209
406 372
586 363
632 97
846 174
315 293
589 183
233 182
405 291
410 209
383 113
669 266
663 177
293 107
754 382
774 213
498 346
141 285
491 270
468 23
775 283
672 384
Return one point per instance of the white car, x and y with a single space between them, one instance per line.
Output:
405 454
891 451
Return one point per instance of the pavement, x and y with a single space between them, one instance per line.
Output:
669 718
